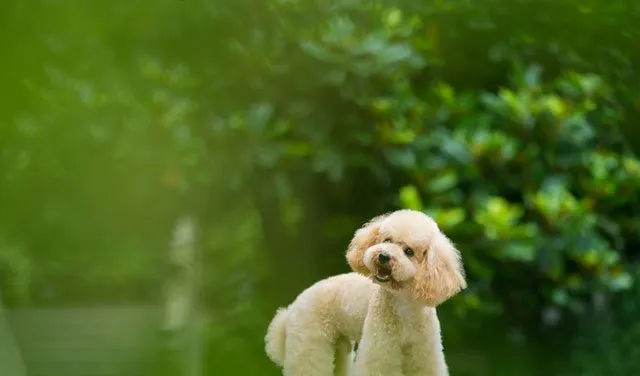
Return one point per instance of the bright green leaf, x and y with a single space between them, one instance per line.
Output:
410 198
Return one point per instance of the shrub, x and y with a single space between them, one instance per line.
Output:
509 122
530 171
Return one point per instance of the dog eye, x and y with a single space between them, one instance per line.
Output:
408 252
387 240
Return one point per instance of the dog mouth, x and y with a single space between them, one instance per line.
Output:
383 275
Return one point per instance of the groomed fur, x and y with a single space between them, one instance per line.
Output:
417 268
276 337
440 274
315 335
320 327
363 239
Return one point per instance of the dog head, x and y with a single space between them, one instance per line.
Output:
405 252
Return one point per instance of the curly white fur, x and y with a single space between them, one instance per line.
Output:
400 338
393 302
313 336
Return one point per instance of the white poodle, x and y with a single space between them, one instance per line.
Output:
404 267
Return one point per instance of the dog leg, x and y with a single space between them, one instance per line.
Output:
343 358
424 361
307 356
379 351
424 355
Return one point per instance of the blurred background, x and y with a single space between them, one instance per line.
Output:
173 171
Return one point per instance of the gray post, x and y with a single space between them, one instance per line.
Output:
181 317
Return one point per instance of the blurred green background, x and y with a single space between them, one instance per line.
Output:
279 127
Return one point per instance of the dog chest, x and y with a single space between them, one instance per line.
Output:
410 321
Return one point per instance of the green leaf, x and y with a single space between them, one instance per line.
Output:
392 18
532 76
339 30
560 297
330 162
299 148
554 201
519 251
555 106
404 136
410 198
395 53
445 93
591 257
610 258
401 157
622 281
447 218
381 105
456 150
443 182
258 117
590 84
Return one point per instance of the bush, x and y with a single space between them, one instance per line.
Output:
532 182
509 122
531 172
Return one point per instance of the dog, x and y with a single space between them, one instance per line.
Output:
314 335
417 268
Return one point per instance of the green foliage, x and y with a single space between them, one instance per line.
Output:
606 343
283 125
532 177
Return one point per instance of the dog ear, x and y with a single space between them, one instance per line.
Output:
441 274
363 238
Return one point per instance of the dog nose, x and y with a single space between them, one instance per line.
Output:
383 258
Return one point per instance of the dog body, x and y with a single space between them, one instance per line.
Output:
404 267
314 335
400 338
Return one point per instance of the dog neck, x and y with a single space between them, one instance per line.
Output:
400 302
